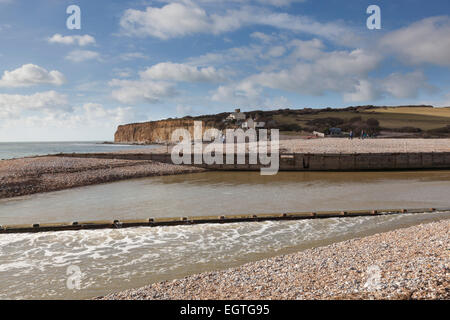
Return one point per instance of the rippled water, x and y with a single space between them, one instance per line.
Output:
224 193
36 265
10 150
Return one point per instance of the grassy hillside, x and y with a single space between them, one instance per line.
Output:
420 121
423 118
425 111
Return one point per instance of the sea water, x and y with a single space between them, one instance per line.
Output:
10 150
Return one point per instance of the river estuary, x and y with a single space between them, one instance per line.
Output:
36 265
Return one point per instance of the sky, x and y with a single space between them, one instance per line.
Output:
136 61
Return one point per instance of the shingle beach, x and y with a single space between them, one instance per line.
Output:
42 174
410 263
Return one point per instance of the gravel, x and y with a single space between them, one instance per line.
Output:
336 145
344 145
42 174
410 263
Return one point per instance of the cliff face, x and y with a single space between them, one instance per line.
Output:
152 132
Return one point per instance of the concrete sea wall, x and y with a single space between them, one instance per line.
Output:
311 162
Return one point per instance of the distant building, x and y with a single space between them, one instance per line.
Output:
237 115
253 124
260 124
249 124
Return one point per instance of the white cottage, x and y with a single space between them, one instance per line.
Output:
236 115
253 124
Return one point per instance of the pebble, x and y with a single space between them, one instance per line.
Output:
42 174
416 269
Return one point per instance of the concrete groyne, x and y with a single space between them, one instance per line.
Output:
307 161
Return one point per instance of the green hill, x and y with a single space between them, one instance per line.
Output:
411 121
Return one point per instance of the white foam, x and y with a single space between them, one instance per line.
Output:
34 265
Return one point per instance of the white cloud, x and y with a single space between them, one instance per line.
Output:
74 121
96 114
309 71
156 82
225 57
5 27
333 71
425 41
308 50
172 20
343 63
135 91
266 38
275 52
182 19
183 73
363 91
397 85
278 102
132 56
13 105
83 55
70 40
123 72
245 92
276 3
250 95
30 75
183 110
445 102
406 85
279 3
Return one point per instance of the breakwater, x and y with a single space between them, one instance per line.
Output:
307 161
114 260
161 222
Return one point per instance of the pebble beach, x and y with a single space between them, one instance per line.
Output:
341 145
43 174
409 263
25 176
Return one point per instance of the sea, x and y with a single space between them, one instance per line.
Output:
11 150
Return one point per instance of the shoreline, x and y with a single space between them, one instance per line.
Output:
30 175
406 263
26 176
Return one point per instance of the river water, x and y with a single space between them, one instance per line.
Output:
36 265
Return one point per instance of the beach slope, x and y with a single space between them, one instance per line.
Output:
409 263
43 174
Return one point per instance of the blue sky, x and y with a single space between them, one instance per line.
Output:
135 61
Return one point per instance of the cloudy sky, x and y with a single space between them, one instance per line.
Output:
140 60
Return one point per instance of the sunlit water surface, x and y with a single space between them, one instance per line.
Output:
10 150
35 265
